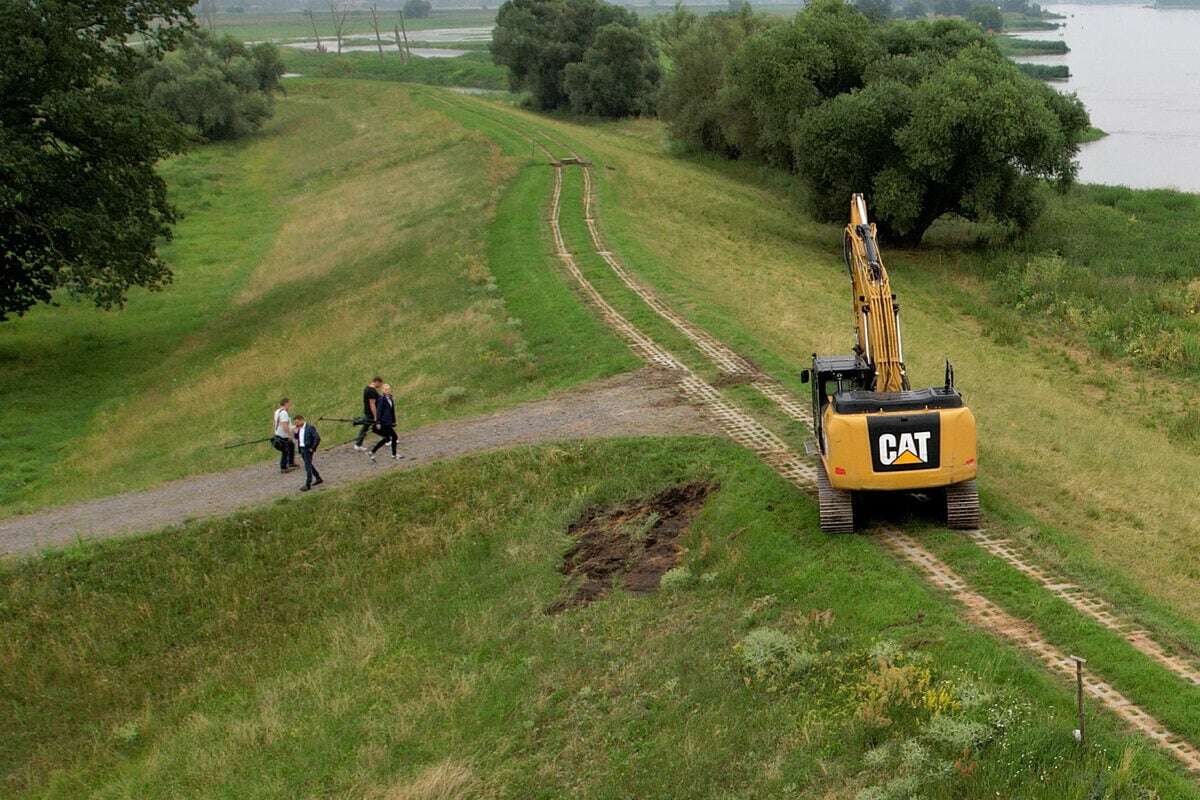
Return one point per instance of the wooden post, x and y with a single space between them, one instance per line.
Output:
313 19
1079 662
403 30
375 21
400 47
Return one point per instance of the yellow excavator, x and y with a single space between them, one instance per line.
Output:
874 433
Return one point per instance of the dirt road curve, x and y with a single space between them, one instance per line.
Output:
635 404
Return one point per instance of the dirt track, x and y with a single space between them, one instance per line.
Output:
636 404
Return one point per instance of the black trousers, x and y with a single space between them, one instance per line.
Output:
287 451
362 433
310 469
389 436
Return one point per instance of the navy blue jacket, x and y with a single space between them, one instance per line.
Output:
385 411
312 439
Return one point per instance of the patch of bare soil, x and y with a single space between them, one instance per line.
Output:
631 546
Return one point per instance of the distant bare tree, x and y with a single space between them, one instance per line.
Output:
404 32
338 11
308 12
374 8
399 44
208 12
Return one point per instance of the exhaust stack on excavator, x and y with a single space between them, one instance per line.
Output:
873 432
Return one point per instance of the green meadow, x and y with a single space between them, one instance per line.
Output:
389 640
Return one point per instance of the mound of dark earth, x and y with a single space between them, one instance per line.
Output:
630 546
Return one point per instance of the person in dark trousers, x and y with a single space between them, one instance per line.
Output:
281 440
385 423
370 399
308 439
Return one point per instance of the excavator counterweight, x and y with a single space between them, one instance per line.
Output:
874 433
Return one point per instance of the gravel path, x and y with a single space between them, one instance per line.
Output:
635 404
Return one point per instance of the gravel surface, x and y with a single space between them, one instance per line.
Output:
635 404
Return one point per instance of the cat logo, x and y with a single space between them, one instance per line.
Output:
906 448
903 442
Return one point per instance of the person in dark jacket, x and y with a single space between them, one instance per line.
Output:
370 399
385 422
308 439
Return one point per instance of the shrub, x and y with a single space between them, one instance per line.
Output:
537 40
617 76
217 88
771 656
453 394
676 578
956 735
417 9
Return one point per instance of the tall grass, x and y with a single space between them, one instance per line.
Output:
389 641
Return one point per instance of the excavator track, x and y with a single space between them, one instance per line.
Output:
837 506
962 506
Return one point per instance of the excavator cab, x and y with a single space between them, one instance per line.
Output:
873 432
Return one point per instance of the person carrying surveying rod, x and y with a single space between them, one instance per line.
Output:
385 425
282 440
370 403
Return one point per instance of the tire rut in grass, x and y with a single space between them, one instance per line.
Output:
631 546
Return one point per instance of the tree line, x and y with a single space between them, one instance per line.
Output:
926 117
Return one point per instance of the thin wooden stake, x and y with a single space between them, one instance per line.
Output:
1079 662
404 30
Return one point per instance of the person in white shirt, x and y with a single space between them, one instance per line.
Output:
282 439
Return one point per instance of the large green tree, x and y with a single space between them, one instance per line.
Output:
617 76
690 100
81 207
970 137
216 87
787 69
537 39
926 118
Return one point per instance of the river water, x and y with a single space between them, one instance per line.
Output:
1137 70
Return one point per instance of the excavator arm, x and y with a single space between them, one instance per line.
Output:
876 313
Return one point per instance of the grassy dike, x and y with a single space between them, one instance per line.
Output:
380 214
1072 436
389 640
615 149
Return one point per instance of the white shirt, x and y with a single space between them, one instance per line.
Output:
282 420
303 429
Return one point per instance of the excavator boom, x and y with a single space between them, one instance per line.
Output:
876 314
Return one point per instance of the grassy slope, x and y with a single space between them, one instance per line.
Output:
1063 434
412 284
392 634
1147 683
